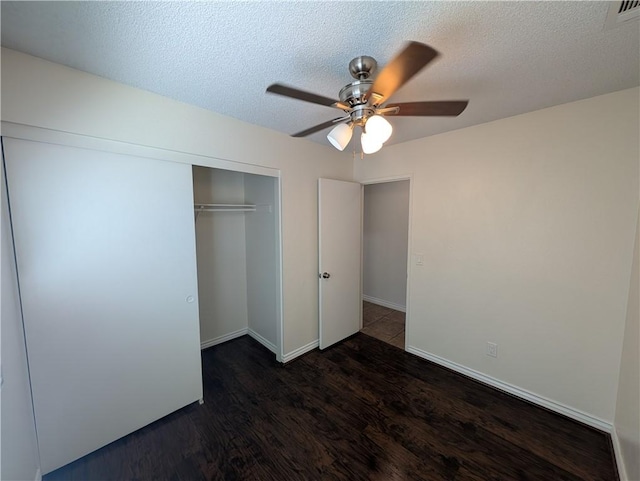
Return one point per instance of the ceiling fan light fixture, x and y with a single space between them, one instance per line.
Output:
370 144
340 135
379 127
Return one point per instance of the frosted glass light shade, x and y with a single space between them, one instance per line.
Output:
340 136
379 128
369 143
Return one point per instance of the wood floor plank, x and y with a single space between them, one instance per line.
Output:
360 410
440 433
546 434
281 423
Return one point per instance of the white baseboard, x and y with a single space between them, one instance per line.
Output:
555 406
38 475
383 303
225 338
617 451
300 351
268 344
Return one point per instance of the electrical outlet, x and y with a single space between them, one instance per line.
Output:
419 259
492 349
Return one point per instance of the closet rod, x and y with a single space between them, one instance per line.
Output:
225 207
226 210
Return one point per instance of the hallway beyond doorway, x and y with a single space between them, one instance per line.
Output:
383 323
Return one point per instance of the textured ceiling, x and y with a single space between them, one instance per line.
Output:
506 57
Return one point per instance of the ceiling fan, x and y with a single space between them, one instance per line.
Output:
363 100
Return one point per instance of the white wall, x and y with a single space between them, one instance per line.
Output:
627 420
527 226
262 254
40 93
385 237
19 456
220 244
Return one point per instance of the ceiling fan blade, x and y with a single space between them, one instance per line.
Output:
294 93
318 128
399 71
444 108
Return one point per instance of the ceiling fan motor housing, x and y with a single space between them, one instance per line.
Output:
353 94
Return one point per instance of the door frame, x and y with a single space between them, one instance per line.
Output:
70 139
385 180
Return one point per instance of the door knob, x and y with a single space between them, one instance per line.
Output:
325 275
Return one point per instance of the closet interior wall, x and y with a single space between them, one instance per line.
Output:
262 242
237 257
221 256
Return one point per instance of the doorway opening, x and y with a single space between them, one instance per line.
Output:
385 242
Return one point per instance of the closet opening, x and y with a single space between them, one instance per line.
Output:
385 247
238 256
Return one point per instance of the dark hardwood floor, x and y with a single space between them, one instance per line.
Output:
362 410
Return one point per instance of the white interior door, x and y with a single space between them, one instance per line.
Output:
105 249
339 231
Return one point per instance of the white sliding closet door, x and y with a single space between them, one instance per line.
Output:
106 263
